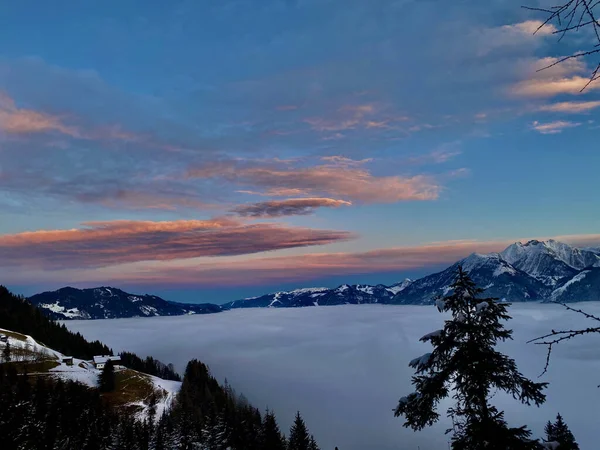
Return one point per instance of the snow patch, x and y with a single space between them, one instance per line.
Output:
576 279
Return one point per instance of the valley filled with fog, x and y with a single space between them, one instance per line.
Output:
345 367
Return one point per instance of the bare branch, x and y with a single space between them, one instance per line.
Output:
563 335
576 15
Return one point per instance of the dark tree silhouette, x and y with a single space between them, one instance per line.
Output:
464 358
106 381
299 437
572 16
312 444
272 438
6 352
559 432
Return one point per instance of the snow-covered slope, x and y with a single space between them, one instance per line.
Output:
51 363
110 303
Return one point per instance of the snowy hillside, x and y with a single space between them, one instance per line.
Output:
133 388
111 303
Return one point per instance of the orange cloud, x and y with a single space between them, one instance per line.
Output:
549 88
547 77
101 244
289 207
531 27
349 117
23 121
302 268
16 120
553 127
337 180
570 107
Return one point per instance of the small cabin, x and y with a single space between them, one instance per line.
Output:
100 361
3 338
68 360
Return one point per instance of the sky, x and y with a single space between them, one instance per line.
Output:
209 151
348 366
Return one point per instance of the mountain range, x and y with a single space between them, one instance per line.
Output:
534 271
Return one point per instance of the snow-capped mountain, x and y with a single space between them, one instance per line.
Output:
549 261
344 294
534 271
491 272
111 303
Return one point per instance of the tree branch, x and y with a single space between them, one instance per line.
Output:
564 335
566 13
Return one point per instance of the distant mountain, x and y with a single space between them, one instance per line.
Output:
111 303
534 271
491 272
344 294
550 261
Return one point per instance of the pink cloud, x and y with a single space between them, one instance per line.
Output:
547 77
101 244
299 268
549 88
348 181
570 107
23 121
349 117
553 127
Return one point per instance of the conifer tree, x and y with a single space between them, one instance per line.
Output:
464 358
6 353
272 439
312 445
299 437
107 377
559 432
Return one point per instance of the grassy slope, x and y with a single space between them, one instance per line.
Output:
133 389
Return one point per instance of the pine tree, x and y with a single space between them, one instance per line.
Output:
6 353
559 432
312 445
464 357
272 439
107 377
299 437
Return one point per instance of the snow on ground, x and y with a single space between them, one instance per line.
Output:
166 391
81 371
576 279
346 367
57 308
26 342
170 388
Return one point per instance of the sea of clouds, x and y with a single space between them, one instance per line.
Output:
345 367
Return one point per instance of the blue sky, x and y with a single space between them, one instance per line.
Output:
209 150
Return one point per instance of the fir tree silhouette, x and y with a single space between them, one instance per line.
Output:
107 377
559 432
464 358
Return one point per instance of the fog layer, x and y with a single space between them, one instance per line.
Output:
345 367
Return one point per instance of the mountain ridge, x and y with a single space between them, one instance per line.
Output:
533 271
539 271
107 302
